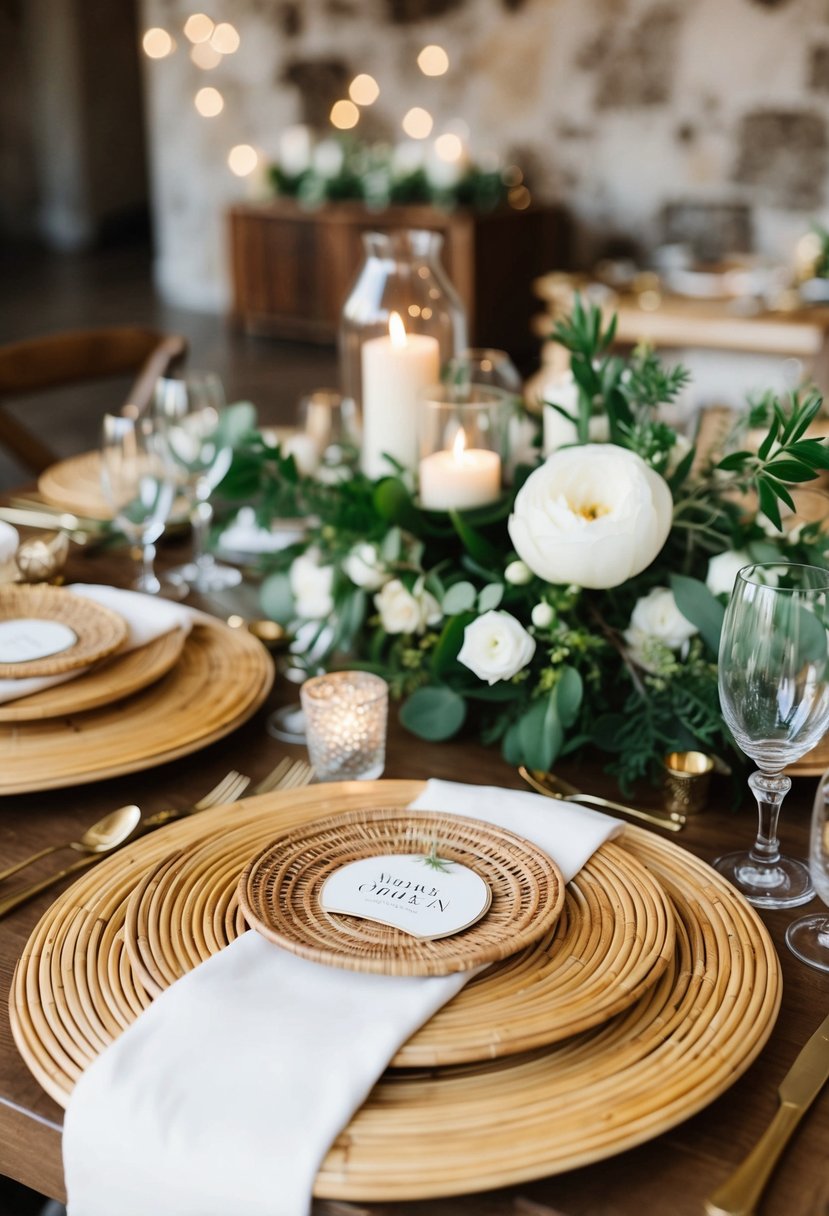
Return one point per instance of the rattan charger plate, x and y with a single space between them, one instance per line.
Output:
678 1047
110 680
279 892
75 485
98 630
221 678
613 940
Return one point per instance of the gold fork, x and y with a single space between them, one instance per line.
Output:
287 775
227 790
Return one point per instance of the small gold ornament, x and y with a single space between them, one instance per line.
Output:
39 560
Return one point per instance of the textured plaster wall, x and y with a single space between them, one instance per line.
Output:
650 119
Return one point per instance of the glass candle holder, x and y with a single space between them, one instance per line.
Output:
463 441
400 324
346 714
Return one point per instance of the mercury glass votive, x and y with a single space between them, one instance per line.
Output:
346 713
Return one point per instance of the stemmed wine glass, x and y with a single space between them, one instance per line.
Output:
190 410
774 693
138 480
808 938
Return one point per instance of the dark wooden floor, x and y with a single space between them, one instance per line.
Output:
43 292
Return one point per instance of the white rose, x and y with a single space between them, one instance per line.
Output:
311 586
496 647
724 568
328 158
594 515
656 616
402 612
364 567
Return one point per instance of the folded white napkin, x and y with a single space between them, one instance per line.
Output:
225 1095
147 618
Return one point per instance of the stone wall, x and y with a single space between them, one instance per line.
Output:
650 119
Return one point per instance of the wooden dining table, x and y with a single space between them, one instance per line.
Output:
668 1176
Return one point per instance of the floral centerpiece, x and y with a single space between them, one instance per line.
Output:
584 607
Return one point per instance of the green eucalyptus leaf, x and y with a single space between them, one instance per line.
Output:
445 653
276 598
540 733
476 545
490 597
511 746
434 713
700 607
569 693
391 546
459 598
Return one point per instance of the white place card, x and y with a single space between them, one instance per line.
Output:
23 640
426 897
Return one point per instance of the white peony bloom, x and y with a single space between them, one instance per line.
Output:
593 515
518 573
364 567
656 616
543 615
496 647
402 612
724 568
311 586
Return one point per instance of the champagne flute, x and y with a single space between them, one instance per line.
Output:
808 938
138 481
774 693
190 410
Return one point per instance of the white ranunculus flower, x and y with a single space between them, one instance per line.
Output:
723 570
311 586
403 612
496 647
593 515
364 567
656 616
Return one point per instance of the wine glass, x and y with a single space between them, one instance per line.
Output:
774 693
808 938
190 410
138 480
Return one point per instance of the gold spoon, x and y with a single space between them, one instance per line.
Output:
554 787
270 633
104 835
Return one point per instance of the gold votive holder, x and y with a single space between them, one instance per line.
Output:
346 714
687 777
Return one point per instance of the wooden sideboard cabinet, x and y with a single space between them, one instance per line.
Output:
293 268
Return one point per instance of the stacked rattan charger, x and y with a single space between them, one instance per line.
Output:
116 709
653 991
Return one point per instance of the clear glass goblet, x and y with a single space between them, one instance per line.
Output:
138 480
190 409
808 937
774 693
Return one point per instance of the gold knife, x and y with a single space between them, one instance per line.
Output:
739 1195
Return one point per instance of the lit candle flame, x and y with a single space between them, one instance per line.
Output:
459 445
397 331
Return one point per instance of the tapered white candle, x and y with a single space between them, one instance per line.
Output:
396 369
459 479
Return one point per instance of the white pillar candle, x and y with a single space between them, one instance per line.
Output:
396 369
459 479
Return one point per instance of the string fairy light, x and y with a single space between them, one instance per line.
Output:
418 123
157 43
209 102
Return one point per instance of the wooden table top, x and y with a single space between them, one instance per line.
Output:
669 1176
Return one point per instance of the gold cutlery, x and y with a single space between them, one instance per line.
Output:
287 774
61 521
101 837
740 1194
226 790
555 787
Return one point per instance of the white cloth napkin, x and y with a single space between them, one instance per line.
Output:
147 618
225 1095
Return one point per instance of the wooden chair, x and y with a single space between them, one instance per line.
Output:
63 359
